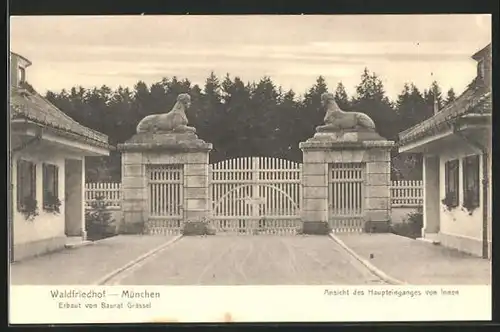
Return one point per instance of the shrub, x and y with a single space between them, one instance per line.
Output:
98 220
411 227
316 228
197 227
133 228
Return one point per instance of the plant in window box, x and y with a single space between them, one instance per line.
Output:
469 203
449 201
52 203
29 208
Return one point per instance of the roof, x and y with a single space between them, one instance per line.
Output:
28 62
33 107
475 99
482 53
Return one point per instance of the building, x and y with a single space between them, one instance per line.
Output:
456 147
47 169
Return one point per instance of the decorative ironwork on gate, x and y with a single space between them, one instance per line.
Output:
346 197
165 197
256 195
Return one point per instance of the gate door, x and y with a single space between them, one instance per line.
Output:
256 195
165 197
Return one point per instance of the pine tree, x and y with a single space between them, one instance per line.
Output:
211 107
450 96
341 96
431 95
410 106
371 99
312 111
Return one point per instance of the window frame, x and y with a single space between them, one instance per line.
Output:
470 164
452 179
20 182
54 185
22 74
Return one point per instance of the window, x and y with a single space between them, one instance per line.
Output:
50 186
22 75
451 182
471 181
480 69
26 185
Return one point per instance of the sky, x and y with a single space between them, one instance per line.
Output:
90 51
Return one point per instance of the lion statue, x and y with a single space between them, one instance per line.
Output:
174 121
336 119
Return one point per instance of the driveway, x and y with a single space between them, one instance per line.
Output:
250 260
419 263
85 265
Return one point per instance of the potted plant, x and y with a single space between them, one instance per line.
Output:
449 201
29 208
51 203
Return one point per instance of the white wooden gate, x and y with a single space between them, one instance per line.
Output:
165 198
346 196
256 195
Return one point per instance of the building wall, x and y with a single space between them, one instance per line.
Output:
459 228
432 205
46 232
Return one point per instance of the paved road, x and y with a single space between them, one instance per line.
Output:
249 260
83 266
417 262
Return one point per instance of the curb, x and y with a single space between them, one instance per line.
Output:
114 273
434 242
375 270
78 245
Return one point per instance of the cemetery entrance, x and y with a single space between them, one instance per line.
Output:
255 195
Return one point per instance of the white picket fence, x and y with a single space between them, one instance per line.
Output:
110 192
406 196
407 193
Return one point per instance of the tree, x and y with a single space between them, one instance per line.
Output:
450 96
241 119
341 96
312 112
264 126
237 120
410 107
211 108
371 99
288 119
432 95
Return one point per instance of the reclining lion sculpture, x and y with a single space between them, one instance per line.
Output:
174 121
336 119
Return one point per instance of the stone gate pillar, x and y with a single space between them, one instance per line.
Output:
366 148
357 143
165 140
149 150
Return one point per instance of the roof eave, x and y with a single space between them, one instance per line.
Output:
471 118
103 138
64 133
28 62
481 53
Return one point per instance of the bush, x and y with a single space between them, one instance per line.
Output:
412 227
197 227
316 228
134 228
98 221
